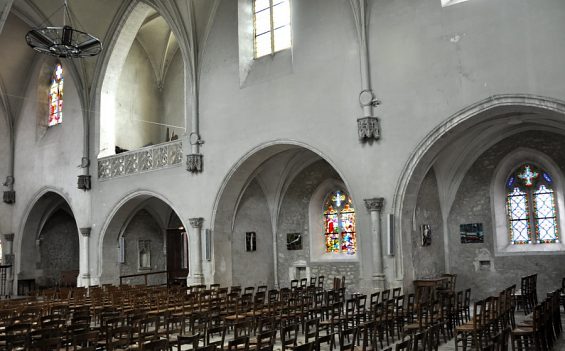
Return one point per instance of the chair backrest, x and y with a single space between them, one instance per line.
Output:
86 339
219 332
156 345
308 346
120 337
321 281
385 294
242 328
266 340
191 340
369 335
311 330
289 336
239 344
396 292
404 345
374 298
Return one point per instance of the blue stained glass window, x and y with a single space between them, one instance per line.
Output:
531 207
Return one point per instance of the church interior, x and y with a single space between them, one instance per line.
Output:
282 174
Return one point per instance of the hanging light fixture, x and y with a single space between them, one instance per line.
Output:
65 41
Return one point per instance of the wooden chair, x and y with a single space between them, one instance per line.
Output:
265 341
347 339
218 332
368 337
472 330
85 341
289 336
156 345
120 338
17 336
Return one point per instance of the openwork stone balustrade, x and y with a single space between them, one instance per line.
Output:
147 159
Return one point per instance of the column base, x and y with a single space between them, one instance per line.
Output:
83 280
195 279
379 282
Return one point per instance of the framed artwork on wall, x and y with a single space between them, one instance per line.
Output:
250 241
294 241
426 231
471 233
144 249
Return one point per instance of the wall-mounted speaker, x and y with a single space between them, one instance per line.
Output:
390 234
208 245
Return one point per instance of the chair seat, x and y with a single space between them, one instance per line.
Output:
522 331
467 327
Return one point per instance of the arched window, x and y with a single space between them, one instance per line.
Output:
531 206
339 223
56 97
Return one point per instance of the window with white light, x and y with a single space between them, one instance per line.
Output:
271 26
445 3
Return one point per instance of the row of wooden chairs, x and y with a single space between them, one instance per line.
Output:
527 297
490 322
544 328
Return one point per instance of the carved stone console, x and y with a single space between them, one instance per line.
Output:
10 196
84 182
194 163
368 128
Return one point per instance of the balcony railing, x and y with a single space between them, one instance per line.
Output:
143 160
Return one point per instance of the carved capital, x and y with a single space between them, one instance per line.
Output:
84 162
9 237
10 196
368 128
194 163
9 181
374 204
196 222
84 182
85 231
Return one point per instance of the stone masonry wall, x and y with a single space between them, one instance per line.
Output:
293 218
473 205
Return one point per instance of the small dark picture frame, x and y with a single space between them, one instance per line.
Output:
426 235
294 241
250 241
471 233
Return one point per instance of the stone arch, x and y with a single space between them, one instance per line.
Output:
126 29
285 159
157 208
467 133
48 216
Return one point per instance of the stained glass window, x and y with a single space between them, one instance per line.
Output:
530 205
271 26
56 97
339 224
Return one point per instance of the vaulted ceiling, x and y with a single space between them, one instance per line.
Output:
100 18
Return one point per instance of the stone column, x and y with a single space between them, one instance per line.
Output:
375 206
9 244
9 259
195 248
84 269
